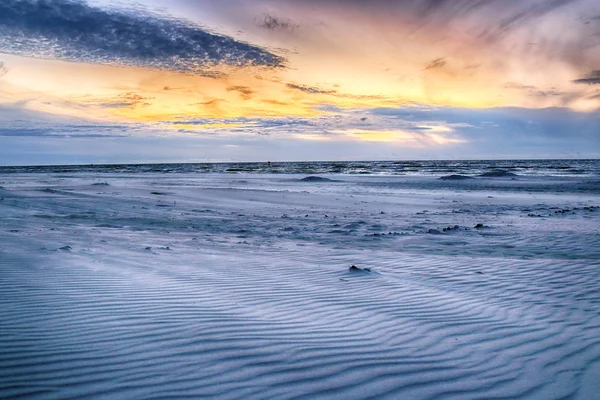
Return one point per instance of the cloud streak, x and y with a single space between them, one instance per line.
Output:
75 31
593 78
309 89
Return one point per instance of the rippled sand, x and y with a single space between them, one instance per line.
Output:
237 286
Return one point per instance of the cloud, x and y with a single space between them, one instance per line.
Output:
437 63
309 89
534 90
244 91
593 78
273 23
75 31
335 93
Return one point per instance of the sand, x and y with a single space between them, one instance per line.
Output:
237 286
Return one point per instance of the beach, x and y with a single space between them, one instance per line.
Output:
238 285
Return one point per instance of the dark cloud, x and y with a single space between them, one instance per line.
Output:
73 30
273 23
593 78
335 93
309 89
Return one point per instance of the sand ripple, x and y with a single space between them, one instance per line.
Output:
288 329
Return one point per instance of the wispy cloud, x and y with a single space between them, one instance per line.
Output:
310 89
533 90
76 31
437 63
244 91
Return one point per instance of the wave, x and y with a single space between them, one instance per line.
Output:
588 168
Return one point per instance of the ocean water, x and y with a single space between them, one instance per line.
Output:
585 168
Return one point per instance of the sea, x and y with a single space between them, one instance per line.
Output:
565 167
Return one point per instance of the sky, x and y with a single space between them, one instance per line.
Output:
98 81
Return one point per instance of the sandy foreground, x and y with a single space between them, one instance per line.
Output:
237 286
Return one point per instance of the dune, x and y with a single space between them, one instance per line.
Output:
249 292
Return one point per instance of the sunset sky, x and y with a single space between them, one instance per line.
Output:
256 80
